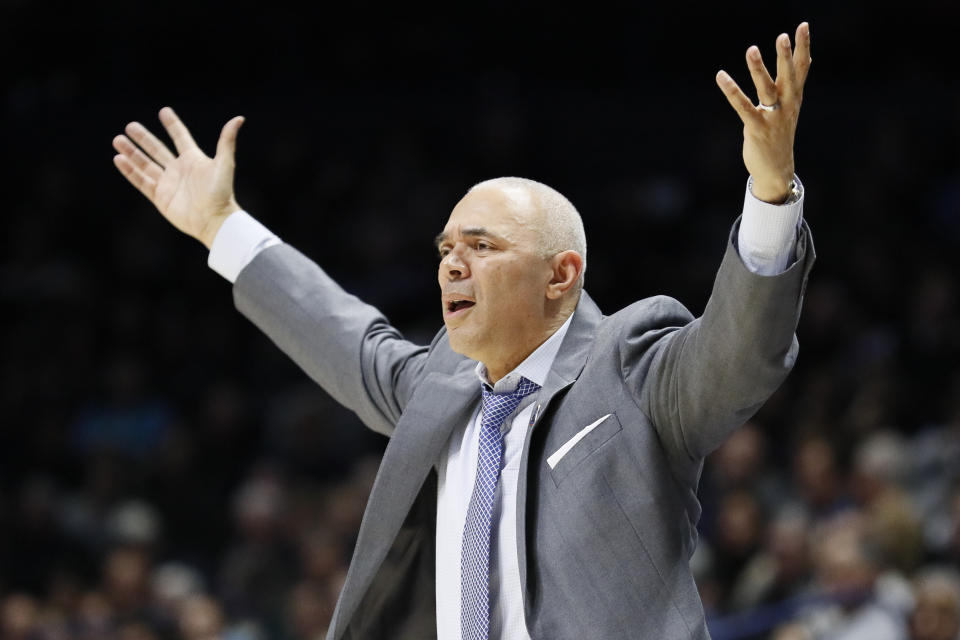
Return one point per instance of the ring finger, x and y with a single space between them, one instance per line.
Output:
141 160
149 143
766 88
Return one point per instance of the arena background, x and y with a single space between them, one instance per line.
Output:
155 447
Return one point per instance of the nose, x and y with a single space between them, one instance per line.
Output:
453 266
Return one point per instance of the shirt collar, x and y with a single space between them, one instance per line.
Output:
534 368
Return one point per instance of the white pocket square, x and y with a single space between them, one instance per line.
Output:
562 451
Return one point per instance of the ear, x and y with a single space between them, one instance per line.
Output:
566 268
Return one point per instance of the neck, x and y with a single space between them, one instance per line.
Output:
495 374
500 368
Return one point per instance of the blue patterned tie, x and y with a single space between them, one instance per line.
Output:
475 554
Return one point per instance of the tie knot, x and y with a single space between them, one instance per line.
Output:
525 388
496 406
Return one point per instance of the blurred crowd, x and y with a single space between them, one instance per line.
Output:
157 525
852 541
78 567
166 473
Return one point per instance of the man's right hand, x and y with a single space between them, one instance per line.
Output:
193 191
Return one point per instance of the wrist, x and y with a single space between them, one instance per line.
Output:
212 227
772 191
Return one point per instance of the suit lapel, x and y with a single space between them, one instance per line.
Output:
566 368
441 402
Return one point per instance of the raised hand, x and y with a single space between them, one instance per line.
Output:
193 191
769 127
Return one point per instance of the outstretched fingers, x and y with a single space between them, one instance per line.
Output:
737 99
178 131
144 183
149 143
801 55
766 88
769 127
786 78
138 158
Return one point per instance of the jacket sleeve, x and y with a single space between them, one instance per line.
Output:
342 343
702 379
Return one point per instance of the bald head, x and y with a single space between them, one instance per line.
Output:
558 224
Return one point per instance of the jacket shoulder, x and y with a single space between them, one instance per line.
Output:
656 312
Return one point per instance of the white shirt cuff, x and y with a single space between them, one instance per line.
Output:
768 232
237 243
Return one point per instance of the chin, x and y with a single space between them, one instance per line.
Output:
461 343
457 343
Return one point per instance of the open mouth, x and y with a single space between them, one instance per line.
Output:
459 305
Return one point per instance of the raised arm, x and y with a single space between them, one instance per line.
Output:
346 346
193 191
709 376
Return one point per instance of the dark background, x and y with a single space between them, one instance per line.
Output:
126 373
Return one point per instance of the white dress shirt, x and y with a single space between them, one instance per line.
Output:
456 475
766 242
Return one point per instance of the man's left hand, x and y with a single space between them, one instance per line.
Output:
769 126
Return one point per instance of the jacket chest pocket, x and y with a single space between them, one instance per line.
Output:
568 456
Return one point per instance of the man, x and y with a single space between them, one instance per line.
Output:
555 497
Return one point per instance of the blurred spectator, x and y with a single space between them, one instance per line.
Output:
739 534
308 611
133 523
261 565
201 619
818 478
937 612
739 461
171 585
95 617
125 574
780 571
864 603
879 467
18 617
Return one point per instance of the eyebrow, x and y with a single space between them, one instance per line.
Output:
473 232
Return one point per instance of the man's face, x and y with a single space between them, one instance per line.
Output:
493 279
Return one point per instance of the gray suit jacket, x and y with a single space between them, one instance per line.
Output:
604 536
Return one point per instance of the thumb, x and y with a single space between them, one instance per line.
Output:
227 144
